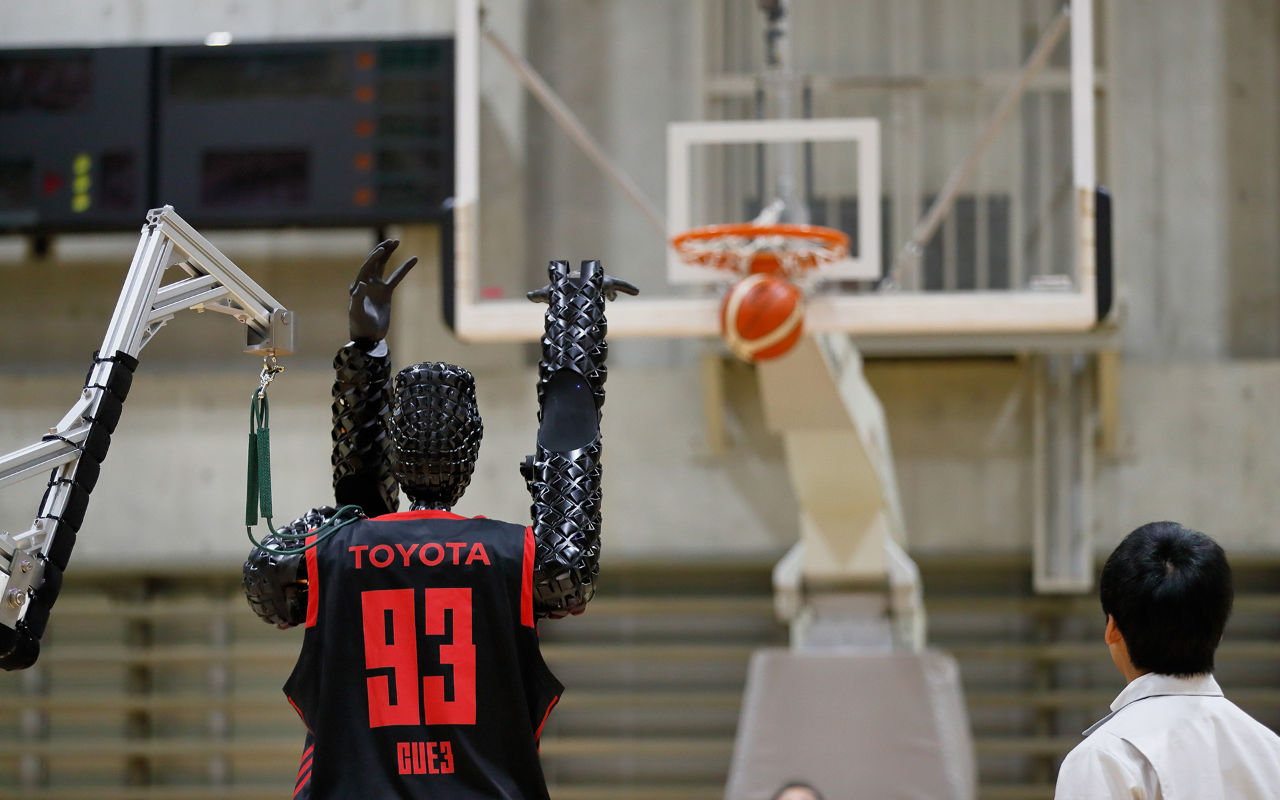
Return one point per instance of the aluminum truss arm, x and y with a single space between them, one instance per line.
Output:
32 562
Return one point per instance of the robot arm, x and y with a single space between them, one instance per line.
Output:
361 449
563 476
32 562
362 391
276 584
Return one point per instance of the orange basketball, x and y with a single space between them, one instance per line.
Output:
762 317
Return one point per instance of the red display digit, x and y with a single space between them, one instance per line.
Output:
460 652
397 652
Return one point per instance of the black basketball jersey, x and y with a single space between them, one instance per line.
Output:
420 674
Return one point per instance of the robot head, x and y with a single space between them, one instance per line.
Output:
435 433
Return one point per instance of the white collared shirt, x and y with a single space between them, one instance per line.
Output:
1170 738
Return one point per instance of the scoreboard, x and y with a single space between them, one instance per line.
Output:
304 133
76 138
260 135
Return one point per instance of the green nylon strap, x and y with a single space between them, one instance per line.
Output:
264 472
251 484
342 518
258 484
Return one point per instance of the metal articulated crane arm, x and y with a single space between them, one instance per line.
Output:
32 562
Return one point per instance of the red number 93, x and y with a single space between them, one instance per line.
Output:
394 645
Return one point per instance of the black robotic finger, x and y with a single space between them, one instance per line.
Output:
612 286
369 310
400 273
376 262
559 275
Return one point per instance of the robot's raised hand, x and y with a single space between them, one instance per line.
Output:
369 312
575 324
560 273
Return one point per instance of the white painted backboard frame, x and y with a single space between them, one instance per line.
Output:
900 313
862 134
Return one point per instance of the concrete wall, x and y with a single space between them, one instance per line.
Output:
1197 444
1195 167
1168 168
1252 98
1192 131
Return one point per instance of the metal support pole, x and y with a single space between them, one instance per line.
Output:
1064 428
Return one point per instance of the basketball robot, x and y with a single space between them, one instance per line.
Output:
420 674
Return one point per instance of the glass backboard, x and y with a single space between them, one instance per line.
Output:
600 129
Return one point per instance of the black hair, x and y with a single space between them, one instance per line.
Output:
1169 590
796 785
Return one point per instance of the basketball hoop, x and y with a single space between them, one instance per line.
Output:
762 314
752 248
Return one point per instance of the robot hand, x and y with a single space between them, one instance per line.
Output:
575 324
610 286
369 313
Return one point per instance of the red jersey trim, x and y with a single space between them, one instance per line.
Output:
301 717
537 736
306 759
526 580
313 583
302 782
303 770
426 513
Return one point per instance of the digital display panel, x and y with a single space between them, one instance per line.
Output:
227 75
76 138
17 184
306 133
120 185
254 178
317 133
40 83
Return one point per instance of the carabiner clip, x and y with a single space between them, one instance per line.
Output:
270 369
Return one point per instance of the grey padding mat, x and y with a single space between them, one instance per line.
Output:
880 726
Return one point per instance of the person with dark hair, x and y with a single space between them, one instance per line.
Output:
1166 591
796 790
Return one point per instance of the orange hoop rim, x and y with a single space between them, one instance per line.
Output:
750 247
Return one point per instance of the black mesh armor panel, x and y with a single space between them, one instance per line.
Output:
276 585
566 510
575 327
435 429
361 449
565 484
